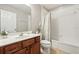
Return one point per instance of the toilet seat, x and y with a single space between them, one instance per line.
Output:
45 43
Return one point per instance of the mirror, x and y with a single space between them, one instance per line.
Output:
14 17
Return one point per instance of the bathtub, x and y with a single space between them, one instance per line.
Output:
66 47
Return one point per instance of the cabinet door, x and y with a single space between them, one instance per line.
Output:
35 49
1 50
23 51
27 50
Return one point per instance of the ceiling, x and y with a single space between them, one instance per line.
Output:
21 7
27 9
51 6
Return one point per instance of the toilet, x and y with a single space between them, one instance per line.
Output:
45 44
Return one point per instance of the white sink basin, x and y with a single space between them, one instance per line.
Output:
21 37
15 38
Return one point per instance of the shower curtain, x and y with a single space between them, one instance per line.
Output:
45 29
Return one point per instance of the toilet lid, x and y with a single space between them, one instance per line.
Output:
45 42
46 45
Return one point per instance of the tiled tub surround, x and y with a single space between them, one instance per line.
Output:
26 44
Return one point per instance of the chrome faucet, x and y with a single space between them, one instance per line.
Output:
21 34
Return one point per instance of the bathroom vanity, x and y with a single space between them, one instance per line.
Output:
21 45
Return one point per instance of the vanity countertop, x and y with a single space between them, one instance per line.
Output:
16 38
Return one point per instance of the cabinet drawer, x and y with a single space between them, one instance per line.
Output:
28 42
12 48
23 51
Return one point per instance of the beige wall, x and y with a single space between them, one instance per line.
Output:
36 16
22 20
44 13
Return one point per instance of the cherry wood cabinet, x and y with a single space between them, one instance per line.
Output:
29 42
35 49
27 46
23 51
12 48
1 50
